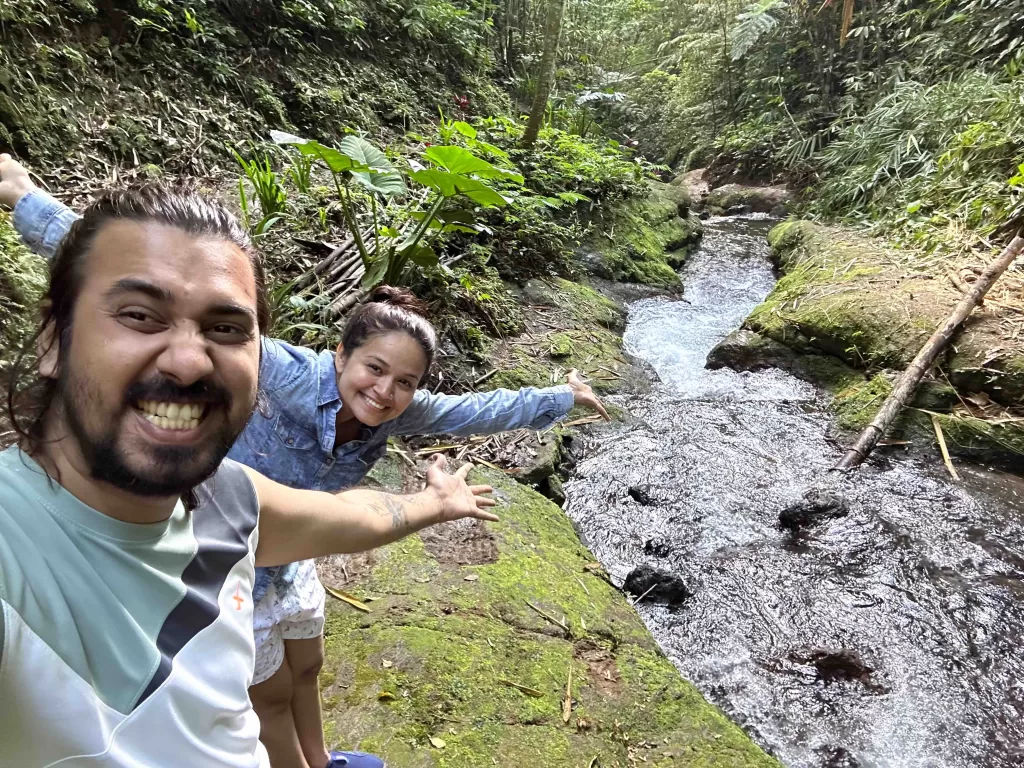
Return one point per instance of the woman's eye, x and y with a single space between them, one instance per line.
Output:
374 368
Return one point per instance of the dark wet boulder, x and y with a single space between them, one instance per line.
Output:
657 547
836 665
641 494
744 350
657 586
744 199
815 507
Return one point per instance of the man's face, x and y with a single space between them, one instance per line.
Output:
161 374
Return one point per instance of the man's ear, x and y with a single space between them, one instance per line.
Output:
48 349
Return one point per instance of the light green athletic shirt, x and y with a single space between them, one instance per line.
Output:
124 644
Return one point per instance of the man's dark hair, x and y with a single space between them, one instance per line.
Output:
179 206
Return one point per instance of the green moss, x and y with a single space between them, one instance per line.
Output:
640 240
436 654
981 439
561 345
856 405
587 305
595 353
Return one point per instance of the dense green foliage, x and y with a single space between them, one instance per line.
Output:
905 112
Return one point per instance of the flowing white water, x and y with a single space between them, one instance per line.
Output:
924 578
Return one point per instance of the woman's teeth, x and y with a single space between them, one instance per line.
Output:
374 403
172 415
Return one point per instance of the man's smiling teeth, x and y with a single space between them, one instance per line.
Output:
172 415
374 403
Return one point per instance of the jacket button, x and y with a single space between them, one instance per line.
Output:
290 441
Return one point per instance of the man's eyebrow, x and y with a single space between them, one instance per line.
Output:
137 285
233 309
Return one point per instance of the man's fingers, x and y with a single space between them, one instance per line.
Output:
462 471
476 490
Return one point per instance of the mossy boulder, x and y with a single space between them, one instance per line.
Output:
463 661
643 240
730 197
595 352
584 304
873 307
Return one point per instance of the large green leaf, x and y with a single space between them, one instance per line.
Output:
338 160
374 272
436 179
465 129
452 184
421 254
382 178
479 193
461 161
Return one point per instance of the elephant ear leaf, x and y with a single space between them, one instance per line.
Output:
381 177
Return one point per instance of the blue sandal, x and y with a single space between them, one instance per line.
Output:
354 760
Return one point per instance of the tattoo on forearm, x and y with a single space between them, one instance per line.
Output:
397 511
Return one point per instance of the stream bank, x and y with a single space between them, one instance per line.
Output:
850 312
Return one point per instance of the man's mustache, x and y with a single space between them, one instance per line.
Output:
163 389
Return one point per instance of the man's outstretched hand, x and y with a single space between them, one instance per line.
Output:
14 181
458 499
583 395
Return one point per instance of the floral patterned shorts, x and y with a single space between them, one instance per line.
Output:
294 613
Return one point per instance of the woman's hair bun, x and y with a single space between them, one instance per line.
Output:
402 298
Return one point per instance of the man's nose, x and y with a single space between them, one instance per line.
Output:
186 358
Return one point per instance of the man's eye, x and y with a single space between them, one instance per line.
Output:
136 316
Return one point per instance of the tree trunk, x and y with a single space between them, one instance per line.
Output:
904 390
546 75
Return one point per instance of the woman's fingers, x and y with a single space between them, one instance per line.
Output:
600 409
464 470
481 515
476 490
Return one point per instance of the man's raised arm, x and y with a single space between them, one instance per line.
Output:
300 525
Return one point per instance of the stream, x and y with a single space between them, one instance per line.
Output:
923 580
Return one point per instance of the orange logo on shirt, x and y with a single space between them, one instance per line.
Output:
238 598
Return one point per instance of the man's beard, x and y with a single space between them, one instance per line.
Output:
172 470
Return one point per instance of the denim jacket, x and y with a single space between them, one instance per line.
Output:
290 437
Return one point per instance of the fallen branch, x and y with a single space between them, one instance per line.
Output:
907 385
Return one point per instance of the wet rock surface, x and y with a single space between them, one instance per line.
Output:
814 508
922 577
744 350
657 586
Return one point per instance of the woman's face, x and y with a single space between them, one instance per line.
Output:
378 380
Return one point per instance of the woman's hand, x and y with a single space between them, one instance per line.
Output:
14 181
583 395
458 499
